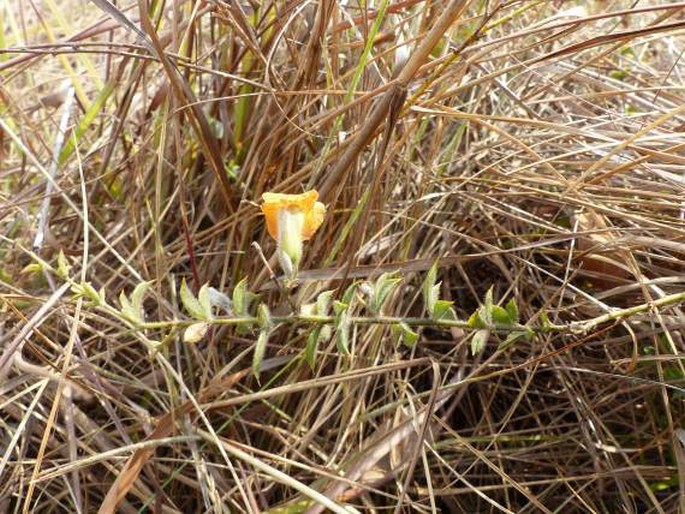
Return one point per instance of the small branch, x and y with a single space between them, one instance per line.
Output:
43 214
573 327
335 177
586 325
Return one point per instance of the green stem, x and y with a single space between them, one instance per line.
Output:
575 326
586 325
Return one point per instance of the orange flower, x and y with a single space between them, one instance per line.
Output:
291 219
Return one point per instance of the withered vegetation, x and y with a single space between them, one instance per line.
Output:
535 147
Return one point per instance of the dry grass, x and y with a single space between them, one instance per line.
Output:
535 147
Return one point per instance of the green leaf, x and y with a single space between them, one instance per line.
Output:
434 299
512 337
191 304
430 289
349 294
32 268
310 349
137 297
500 315
485 312
86 290
474 321
244 328
407 335
90 292
63 266
544 320
264 317
259 350
488 298
323 302
240 298
385 285
513 310
343 333
129 312
204 298
339 307
102 295
478 341
443 310
485 315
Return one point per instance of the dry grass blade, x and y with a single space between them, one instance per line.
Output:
164 428
390 100
489 318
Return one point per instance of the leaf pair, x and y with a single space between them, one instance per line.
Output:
380 291
201 309
133 309
491 316
343 318
319 333
437 309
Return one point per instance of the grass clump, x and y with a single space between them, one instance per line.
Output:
488 318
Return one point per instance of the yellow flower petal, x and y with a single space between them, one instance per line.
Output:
305 203
313 220
270 211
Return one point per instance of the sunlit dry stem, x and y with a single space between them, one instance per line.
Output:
380 111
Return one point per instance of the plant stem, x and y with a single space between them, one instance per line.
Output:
574 327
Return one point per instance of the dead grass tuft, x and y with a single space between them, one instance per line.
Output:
532 147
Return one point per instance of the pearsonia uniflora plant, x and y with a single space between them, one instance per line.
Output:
361 304
292 219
